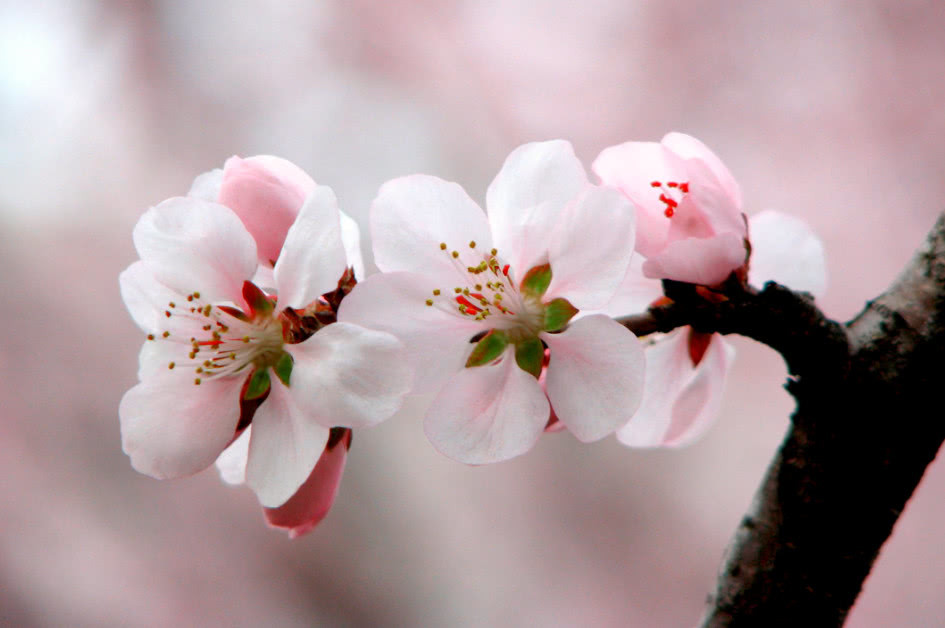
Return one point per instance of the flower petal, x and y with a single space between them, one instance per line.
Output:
349 376
785 249
436 338
266 192
591 247
688 147
536 182
635 293
412 215
314 499
193 245
595 376
487 413
145 297
171 428
207 185
680 401
631 167
313 258
285 445
704 261
232 462
351 238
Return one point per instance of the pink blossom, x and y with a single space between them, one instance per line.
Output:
690 222
219 346
686 370
477 300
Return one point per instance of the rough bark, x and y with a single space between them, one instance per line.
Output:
869 420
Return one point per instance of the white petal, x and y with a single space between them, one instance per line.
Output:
349 376
536 183
436 338
145 297
285 445
591 248
487 413
171 427
680 402
786 250
595 376
193 245
704 261
207 185
351 238
313 256
232 462
635 293
412 215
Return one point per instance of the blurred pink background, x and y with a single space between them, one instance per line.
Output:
829 110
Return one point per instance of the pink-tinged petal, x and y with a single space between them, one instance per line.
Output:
688 147
314 499
351 239
436 338
232 462
285 445
487 413
704 261
785 249
412 215
313 258
536 182
207 186
635 294
193 245
595 376
591 248
716 206
631 168
146 298
266 192
349 376
680 401
171 427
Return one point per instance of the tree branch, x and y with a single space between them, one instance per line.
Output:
868 422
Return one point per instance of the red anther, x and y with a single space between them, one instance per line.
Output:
670 202
669 212
672 184
656 184
684 187
505 270
470 308
476 295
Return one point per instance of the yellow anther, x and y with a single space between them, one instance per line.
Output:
495 251
172 304
171 365
442 246
436 292
455 254
472 244
196 295
429 301
166 334
150 336
457 290
197 381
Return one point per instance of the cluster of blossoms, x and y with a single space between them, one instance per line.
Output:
264 351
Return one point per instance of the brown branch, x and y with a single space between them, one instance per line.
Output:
869 420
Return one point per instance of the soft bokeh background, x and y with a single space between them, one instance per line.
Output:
829 110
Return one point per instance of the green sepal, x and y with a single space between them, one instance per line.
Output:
558 313
529 355
488 349
256 299
536 281
258 384
283 367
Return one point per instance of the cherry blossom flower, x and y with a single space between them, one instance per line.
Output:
690 225
220 351
477 299
691 229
